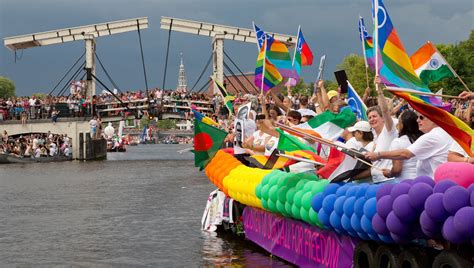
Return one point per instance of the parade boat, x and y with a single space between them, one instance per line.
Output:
11 158
311 222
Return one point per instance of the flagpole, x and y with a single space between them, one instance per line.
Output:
376 41
362 40
296 47
411 91
450 68
264 60
328 142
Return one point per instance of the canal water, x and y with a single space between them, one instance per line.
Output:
135 209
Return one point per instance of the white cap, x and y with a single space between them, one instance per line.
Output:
363 126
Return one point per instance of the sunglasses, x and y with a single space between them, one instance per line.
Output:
421 117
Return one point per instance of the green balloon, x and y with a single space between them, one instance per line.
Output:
300 184
290 195
308 186
272 206
305 215
313 216
264 191
282 191
282 181
273 193
264 204
298 198
295 212
319 186
258 191
280 207
266 179
306 200
288 208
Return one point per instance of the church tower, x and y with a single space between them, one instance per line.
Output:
182 84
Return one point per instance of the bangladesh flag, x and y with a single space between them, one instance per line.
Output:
207 141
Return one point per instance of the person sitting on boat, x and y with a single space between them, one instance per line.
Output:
38 151
67 150
457 154
431 149
255 144
362 136
53 149
408 133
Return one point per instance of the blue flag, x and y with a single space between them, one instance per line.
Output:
356 103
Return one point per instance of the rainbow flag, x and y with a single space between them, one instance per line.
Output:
303 54
454 126
367 45
396 66
267 75
277 53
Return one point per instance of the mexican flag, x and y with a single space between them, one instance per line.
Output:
327 125
207 141
430 65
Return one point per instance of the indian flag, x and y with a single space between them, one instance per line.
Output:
430 65
328 125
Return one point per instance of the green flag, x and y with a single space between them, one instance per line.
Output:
207 141
290 143
228 99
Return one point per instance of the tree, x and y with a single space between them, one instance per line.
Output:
355 69
7 88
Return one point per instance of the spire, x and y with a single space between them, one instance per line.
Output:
182 84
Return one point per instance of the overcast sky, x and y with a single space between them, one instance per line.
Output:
329 26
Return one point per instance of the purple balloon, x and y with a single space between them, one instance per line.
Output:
450 233
425 179
370 208
395 225
355 223
455 198
418 194
384 206
385 189
472 199
409 181
442 186
378 223
403 210
434 207
429 225
464 222
470 188
399 189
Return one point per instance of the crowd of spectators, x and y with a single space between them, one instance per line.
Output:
36 145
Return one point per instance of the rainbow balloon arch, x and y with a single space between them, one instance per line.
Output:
413 209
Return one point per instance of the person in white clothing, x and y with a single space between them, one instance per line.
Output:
431 149
408 133
457 154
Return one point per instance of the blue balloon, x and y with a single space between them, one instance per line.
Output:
346 223
355 223
348 206
330 189
366 225
362 189
328 203
338 205
372 191
335 221
317 202
359 206
370 208
364 236
352 190
386 238
324 218
343 189
374 237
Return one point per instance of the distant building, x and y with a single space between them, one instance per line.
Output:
241 83
182 83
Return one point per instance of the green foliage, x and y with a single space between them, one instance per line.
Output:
7 88
166 124
355 69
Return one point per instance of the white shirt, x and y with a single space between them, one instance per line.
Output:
259 139
37 153
456 148
409 165
431 150
249 128
382 143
